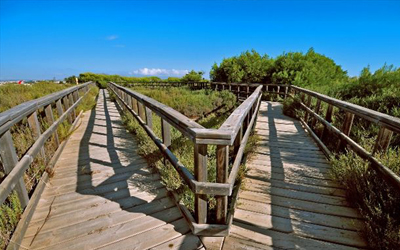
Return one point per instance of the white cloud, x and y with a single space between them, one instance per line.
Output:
160 72
112 37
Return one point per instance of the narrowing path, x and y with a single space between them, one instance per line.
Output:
104 196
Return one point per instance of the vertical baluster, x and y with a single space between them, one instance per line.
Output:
149 118
200 172
308 104
222 177
9 159
50 120
347 124
328 118
66 107
33 122
71 102
135 105
142 113
383 140
317 109
166 132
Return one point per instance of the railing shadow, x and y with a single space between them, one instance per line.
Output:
127 179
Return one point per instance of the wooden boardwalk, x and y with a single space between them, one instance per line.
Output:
289 200
103 195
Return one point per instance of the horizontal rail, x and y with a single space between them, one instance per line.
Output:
14 115
13 178
381 119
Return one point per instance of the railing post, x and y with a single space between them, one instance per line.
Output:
9 159
222 177
328 118
200 172
71 102
308 104
66 107
59 108
50 120
238 140
317 108
166 132
149 118
347 124
142 112
383 140
135 105
35 127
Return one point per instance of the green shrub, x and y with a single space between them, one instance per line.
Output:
377 201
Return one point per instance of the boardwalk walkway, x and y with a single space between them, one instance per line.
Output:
103 196
289 200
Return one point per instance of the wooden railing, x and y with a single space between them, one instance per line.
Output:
387 124
235 131
65 102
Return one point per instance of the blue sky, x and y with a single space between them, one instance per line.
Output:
46 39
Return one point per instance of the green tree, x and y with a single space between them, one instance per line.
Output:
193 76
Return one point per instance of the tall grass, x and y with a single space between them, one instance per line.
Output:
10 210
13 94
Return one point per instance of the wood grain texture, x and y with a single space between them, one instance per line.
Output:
103 195
288 200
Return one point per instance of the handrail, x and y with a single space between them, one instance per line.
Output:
388 124
66 102
234 131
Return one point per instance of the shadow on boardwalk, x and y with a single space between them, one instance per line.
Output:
104 196
289 200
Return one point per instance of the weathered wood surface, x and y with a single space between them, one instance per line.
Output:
289 200
103 195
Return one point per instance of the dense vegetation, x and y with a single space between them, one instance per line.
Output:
103 79
11 95
380 91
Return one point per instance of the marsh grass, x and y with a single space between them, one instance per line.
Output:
23 139
12 95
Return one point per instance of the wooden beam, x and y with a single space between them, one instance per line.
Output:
149 118
222 177
35 128
200 173
9 159
66 107
317 109
383 140
50 120
347 124
328 118
308 103
166 133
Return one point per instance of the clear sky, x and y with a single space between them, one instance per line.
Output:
46 39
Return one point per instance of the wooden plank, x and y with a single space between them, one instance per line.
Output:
9 159
301 216
328 118
281 240
66 104
200 172
300 204
313 231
